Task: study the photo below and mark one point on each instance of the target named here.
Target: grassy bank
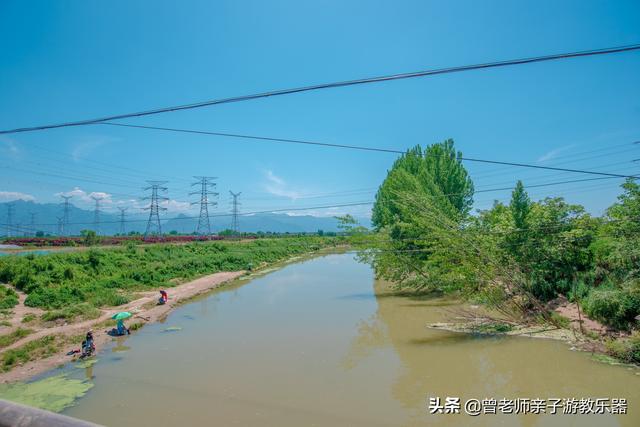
(75, 283)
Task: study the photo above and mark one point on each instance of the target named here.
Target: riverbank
(144, 310)
(599, 346)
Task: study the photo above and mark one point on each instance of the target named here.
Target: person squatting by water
(163, 298)
(88, 346)
(119, 330)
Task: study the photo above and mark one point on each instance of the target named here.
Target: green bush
(626, 349)
(83, 311)
(613, 307)
(28, 318)
(10, 338)
(36, 349)
(8, 298)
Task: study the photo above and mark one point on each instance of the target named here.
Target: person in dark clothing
(88, 346)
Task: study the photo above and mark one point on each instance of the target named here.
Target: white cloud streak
(554, 153)
(7, 196)
(89, 144)
(278, 187)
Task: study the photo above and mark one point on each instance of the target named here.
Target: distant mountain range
(46, 215)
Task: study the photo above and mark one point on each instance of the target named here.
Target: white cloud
(129, 203)
(176, 205)
(79, 194)
(278, 187)
(8, 196)
(554, 153)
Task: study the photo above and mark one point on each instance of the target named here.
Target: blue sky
(73, 60)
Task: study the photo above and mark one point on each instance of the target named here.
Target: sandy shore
(143, 309)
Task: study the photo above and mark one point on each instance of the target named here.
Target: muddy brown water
(321, 343)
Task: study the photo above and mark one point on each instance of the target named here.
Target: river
(322, 343)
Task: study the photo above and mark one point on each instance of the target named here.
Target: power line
(363, 148)
(184, 217)
(425, 73)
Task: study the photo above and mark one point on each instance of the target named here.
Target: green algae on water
(53, 394)
(83, 364)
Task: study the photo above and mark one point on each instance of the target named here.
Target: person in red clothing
(163, 297)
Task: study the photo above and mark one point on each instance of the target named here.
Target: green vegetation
(515, 256)
(13, 336)
(89, 237)
(53, 393)
(33, 350)
(626, 349)
(493, 328)
(73, 284)
(28, 318)
(82, 311)
(8, 297)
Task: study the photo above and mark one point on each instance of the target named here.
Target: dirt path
(137, 307)
(570, 310)
(19, 312)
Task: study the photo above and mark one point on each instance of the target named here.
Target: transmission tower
(33, 223)
(96, 214)
(153, 225)
(122, 221)
(9, 218)
(60, 225)
(205, 182)
(234, 211)
(65, 216)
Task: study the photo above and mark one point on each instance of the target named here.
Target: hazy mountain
(81, 219)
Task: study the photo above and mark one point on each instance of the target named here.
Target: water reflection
(441, 363)
(119, 346)
(313, 344)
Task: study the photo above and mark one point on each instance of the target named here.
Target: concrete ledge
(17, 415)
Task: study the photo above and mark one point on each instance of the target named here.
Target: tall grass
(109, 277)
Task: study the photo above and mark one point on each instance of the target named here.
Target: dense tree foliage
(518, 255)
(436, 173)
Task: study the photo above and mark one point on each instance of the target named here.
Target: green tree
(520, 206)
(624, 215)
(420, 206)
(90, 237)
(436, 174)
(519, 209)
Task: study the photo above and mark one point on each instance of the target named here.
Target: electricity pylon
(96, 214)
(122, 221)
(9, 218)
(65, 216)
(33, 223)
(60, 227)
(154, 208)
(204, 226)
(234, 211)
